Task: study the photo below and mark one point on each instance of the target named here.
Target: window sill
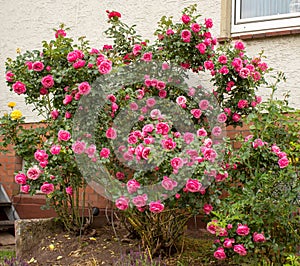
(259, 35)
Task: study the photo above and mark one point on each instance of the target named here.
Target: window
(263, 15)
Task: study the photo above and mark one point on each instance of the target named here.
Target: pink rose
(207, 208)
(196, 113)
(237, 63)
(19, 87)
(105, 67)
(236, 117)
(186, 35)
(67, 99)
(111, 133)
(275, 149)
(239, 45)
(25, 189)
(209, 65)
(212, 227)
(147, 57)
(33, 173)
(201, 48)
(209, 154)
(201, 132)
(69, 190)
(84, 88)
(112, 98)
(176, 163)
(244, 73)
(161, 85)
(168, 144)
(120, 175)
(132, 186)
(243, 230)
(169, 32)
(259, 237)
(220, 254)
(47, 188)
(54, 114)
(193, 185)
(222, 59)
(240, 249)
(145, 153)
(20, 178)
(181, 100)
(9, 76)
(257, 143)
(216, 131)
(38, 66)
(55, 149)
(224, 70)
(195, 27)
(162, 128)
(68, 115)
(150, 102)
(78, 147)
(208, 23)
(136, 49)
(140, 200)
(90, 151)
(122, 203)
(155, 114)
(222, 232)
(188, 137)
(168, 183)
(72, 56)
(79, 64)
(283, 162)
(222, 117)
(104, 153)
(64, 135)
(228, 242)
(40, 155)
(185, 19)
(47, 81)
(203, 104)
(156, 206)
(43, 91)
(60, 32)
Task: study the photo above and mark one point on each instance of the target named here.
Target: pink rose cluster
(227, 238)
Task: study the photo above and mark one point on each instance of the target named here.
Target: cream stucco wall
(25, 23)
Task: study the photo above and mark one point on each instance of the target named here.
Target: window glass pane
(261, 8)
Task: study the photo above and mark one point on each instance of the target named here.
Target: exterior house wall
(25, 23)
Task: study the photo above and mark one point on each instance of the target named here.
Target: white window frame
(264, 23)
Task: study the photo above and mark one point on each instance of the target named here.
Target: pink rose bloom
(140, 200)
(227, 111)
(243, 230)
(136, 49)
(222, 59)
(69, 190)
(55, 149)
(263, 66)
(186, 35)
(120, 175)
(216, 131)
(54, 114)
(228, 242)
(209, 154)
(168, 183)
(132, 139)
(9, 76)
(185, 19)
(220, 177)
(203, 104)
(224, 70)
(180, 100)
(207, 143)
(90, 151)
(40, 155)
(68, 115)
(155, 114)
(29, 65)
(161, 85)
(244, 73)
(162, 128)
(169, 32)
(147, 57)
(145, 153)
(257, 143)
(236, 117)
(222, 117)
(168, 144)
(259, 237)
(150, 102)
(237, 63)
(156, 206)
(283, 162)
(188, 137)
(212, 227)
(68, 99)
(256, 76)
(240, 249)
(72, 56)
(196, 113)
(275, 149)
(20, 178)
(229, 226)
(193, 185)
(64, 135)
(33, 173)
(281, 154)
(111, 133)
(133, 106)
(149, 140)
(201, 48)
(112, 98)
(38, 66)
(122, 203)
(132, 186)
(84, 88)
(47, 81)
(242, 104)
(60, 32)
(239, 45)
(192, 91)
(195, 27)
(79, 64)
(19, 87)
(148, 128)
(104, 153)
(105, 67)
(207, 208)
(47, 188)
(208, 23)
(220, 254)
(25, 189)
(162, 94)
(222, 232)
(201, 132)
(43, 91)
(176, 163)
(209, 65)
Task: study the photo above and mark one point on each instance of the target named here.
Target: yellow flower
(18, 50)
(11, 104)
(16, 114)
